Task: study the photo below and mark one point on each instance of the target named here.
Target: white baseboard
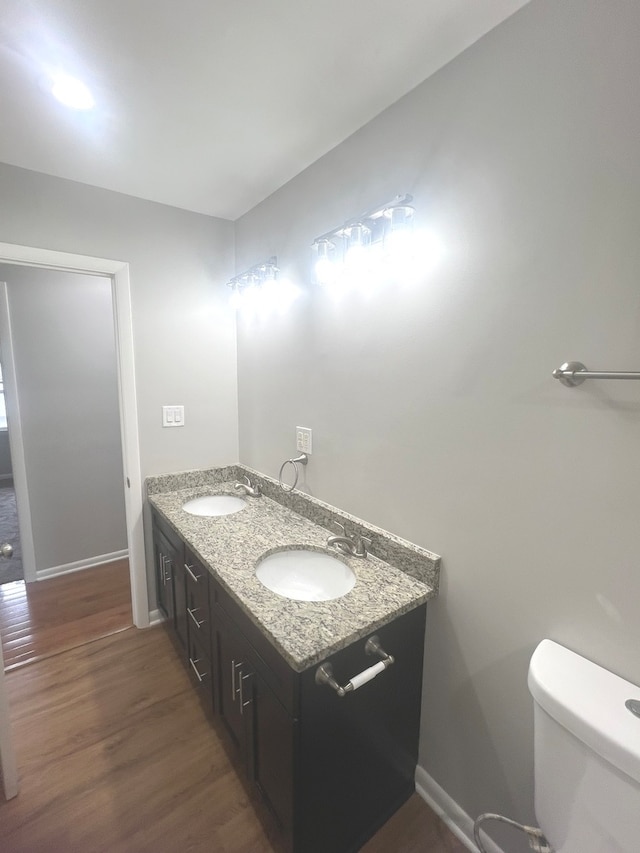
(450, 812)
(155, 618)
(80, 565)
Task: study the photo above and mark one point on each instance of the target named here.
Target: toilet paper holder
(324, 673)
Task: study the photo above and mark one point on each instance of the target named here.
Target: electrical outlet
(304, 441)
(172, 416)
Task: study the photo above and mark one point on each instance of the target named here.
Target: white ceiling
(211, 105)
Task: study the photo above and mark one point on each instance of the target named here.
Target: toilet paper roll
(367, 674)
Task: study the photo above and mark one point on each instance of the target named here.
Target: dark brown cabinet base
(331, 770)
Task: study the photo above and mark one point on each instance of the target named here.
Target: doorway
(10, 550)
(118, 271)
(61, 351)
(62, 399)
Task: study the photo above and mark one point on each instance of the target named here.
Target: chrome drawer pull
(234, 690)
(167, 576)
(324, 673)
(195, 618)
(244, 704)
(191, 572)
(195, 669)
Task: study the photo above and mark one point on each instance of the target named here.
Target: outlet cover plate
(304, 440)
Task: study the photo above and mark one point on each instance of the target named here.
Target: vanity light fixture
(359, 252)
(261, 289)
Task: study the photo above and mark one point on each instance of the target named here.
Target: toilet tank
(587, 754)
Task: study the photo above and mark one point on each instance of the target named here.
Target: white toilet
(587, 754)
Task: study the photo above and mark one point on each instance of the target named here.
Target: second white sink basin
(306, 575)
(214, 505)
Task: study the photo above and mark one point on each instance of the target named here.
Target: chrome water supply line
(537, 841)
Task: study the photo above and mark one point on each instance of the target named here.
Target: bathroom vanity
(331, 768)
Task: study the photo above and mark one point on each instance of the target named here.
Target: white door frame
(18, 465)
(118, 272)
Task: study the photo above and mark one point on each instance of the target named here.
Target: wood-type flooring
(53, 615)
(116, 755)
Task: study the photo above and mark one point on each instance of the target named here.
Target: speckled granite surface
(305, 633)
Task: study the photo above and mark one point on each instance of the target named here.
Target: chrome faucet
(247, 488)
(351, 545)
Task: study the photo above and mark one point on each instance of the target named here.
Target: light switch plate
(304, 441)
(172, 416)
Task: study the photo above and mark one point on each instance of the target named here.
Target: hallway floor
(11, 567)
(116, 755)
(50, 616)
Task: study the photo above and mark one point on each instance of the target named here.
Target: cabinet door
(234, 676)
(164, 574)
(170, 584)
(272, 737)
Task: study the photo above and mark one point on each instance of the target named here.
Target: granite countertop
(304, 632)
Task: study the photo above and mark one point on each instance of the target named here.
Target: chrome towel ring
(302, 460)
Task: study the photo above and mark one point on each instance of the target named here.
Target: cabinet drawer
(197, 598)
(198, 615)
(197, 579)
(267, 660)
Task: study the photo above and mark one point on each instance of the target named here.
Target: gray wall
(433, 409)
(183, 329)
(65, 361)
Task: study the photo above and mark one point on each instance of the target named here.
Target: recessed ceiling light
(72, 93)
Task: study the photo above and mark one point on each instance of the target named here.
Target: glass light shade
(400, 217)
(356, 260)
(324, 264)
(358, 236)
(269, 273)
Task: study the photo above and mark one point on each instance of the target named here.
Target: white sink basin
(214, 505)
(305, 575)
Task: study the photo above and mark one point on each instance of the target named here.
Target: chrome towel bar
(573, 373)
(324, 673)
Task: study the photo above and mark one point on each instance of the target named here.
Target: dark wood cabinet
(260, 726)
(273, 736)
(330, 769)
(164, 565)
(168, 551)
(363, 747)
(233, 683)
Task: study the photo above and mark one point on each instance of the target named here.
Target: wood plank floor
(116, 755)
(50, 616)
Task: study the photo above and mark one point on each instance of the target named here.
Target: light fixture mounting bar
(368, 216)
(257, 270)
